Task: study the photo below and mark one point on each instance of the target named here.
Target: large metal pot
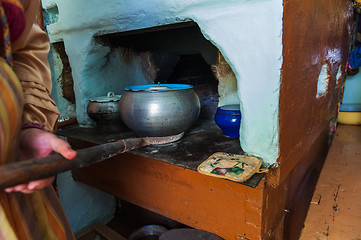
(159, 109)
(104, 110)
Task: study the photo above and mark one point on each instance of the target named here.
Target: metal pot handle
(110, 94)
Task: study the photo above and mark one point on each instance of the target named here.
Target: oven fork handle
(38, 168)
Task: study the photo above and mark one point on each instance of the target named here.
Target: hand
(36, 143)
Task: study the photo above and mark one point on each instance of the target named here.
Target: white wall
(247, 33)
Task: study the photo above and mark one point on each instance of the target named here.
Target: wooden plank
(107, 232)
(103, 230)
(215, 205)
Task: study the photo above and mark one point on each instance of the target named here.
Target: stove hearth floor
(197, 144)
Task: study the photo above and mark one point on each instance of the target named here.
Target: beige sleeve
(30, 58)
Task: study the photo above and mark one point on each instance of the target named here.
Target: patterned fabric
(6, 36)
(11, 101)
(32, 217)
(36, 216)
(13, 23)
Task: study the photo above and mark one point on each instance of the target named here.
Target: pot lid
(158, 87)
(230, 109)
(111, 97)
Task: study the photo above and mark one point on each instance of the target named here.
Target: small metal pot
(148, 232)
(105, 110)
(159, 109)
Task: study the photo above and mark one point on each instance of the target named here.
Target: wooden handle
(21, 172)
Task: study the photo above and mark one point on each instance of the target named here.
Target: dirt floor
(335, 210)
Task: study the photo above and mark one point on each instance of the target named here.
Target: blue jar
(228, 118)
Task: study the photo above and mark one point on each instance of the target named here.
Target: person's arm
(36, 143)
(30, 59)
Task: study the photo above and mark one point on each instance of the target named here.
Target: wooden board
(228, 209)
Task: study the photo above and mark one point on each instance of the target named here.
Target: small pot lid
(111, 97)
(230, 109)
(158, 87)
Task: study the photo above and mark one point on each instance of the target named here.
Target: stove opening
(176, 53)
(192, 69)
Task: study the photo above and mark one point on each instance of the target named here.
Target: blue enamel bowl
(228, 118)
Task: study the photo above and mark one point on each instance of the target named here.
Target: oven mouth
(175, 54)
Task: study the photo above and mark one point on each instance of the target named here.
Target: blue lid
(158, 87)
(229, 109)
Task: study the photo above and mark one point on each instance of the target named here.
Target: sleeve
(30, 59)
